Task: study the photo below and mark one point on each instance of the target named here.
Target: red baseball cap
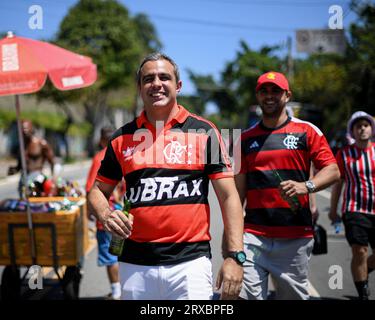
(273, 77)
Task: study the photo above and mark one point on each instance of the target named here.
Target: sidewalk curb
(11, 179)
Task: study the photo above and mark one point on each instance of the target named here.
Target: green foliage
(103, 31)
(336, 85)
(47, 120)
(235, 91)
(192, 103)
(321, 81)
(80, 129)
(6, 118)
(146, 32)
(361, 58)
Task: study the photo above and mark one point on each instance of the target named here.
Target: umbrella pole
(24, 193)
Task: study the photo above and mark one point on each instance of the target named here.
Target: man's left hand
(230, 279)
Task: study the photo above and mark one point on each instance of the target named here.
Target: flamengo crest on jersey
(174, 151)
(291, 142)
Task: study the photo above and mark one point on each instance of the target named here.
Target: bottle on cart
(294, 203)
(117, 243)
(39, 181)
(32, 189)
(60, 186)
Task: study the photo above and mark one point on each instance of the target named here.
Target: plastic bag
(320, 240)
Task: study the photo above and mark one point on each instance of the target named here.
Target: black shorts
(359, 228)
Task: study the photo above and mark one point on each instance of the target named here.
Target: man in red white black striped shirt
(277, 154)
(357, 167)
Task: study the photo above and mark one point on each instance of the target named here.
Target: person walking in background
(104, 237)
(168, 156)
(274, 180)
(357, 168)
(37, 153)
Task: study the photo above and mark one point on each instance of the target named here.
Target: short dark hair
(155, 56)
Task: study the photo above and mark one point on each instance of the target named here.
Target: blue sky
(201, 35)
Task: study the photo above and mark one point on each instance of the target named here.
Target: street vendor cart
(61, 239)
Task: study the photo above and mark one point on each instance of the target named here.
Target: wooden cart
(61, 239)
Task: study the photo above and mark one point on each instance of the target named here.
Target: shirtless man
(37, 152)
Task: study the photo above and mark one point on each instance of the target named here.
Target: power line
(221, 24)
(274, 3)
(347, 11)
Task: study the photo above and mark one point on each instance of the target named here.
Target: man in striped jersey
(167, 156)
(274, 180)
(357, 167)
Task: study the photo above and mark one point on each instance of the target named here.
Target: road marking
(11, 179)
(337, 241)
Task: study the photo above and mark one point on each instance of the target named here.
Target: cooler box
(63, 232)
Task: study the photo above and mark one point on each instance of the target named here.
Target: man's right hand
(333, 216)
(117, 223)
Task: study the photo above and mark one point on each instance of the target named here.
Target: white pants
(191, 280)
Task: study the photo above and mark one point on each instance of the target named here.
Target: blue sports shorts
(104, 257)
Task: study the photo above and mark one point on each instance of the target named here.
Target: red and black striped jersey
(167, 171)
(289, 149)
(357, 168)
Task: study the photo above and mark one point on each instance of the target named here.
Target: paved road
(94, 284)
(326, 269)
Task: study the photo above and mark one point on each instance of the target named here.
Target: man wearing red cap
(357, 168)
(277, 154)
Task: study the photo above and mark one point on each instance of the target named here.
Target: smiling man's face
(272, 99)
(158, 86)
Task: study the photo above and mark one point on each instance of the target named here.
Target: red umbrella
(24, 66)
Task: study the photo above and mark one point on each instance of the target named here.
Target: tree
(147, 33)
(235, 92)
(361, 57)
(336, 85)
(104, 31)
(320, 81)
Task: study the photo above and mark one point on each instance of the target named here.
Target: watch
(238, 256)
(310, 186)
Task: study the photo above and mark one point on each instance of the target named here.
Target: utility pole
(290, 59)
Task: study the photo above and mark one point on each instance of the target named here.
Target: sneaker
(365, 295)
(111, 297)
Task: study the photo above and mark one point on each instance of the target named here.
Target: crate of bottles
(65, 229)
